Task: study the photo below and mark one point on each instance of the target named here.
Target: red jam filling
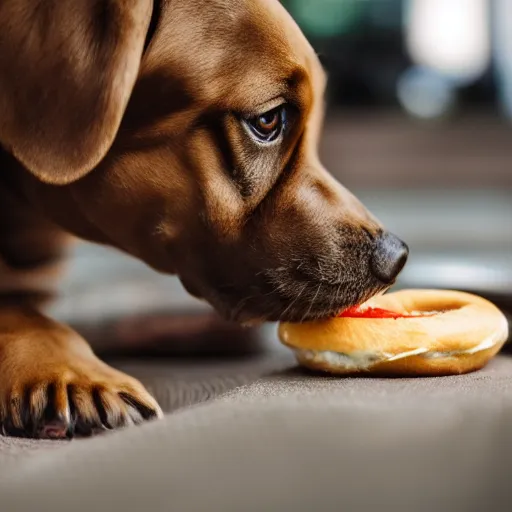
(369, 312)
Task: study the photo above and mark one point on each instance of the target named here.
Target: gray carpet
(262, 435)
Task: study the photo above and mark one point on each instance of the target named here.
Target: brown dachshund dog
(183, 132)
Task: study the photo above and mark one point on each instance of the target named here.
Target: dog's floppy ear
(67, 69)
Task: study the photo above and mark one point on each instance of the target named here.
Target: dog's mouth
(284, 295)
(326, 308)
(309, 302)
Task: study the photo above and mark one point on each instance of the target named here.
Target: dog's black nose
(389, 257)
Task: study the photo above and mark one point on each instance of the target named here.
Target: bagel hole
(430, 309)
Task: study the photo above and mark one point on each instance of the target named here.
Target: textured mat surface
(264, 436)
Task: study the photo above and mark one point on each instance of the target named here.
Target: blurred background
(418, 126)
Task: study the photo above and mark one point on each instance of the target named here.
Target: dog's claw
(88, 410)
(66, 391)
(62, 410)
(55, 430)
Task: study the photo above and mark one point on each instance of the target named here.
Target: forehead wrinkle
(287, 84)
(243, 38)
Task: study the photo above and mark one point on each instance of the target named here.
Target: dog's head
(186, 133)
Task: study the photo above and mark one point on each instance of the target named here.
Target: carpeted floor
(262, 435)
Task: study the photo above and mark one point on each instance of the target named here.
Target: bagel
(409, 332)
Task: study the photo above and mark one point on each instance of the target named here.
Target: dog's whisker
(312, 302)
(340, 273)
(239, 307)
(294, 301)
(338, 291)
(331, 302)
(273, 291)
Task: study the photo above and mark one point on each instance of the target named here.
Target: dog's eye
(268, 127)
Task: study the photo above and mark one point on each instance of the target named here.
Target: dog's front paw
(53, 386)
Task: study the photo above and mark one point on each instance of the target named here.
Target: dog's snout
(389, 257)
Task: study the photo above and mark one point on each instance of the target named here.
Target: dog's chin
(257, 311)
(320, 311)
(236, 306)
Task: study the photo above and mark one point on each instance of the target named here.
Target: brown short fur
(121, 123)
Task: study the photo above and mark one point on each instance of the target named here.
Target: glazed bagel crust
(462, 335)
